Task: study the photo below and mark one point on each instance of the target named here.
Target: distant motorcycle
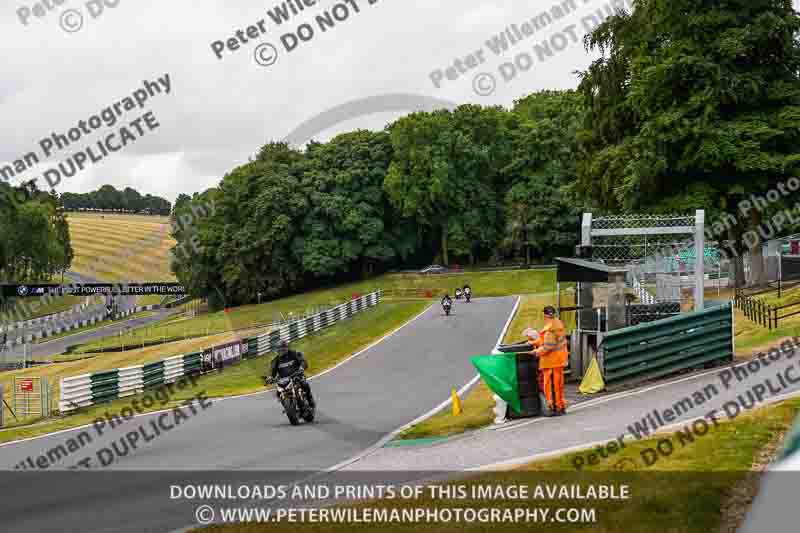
(447, 305)
(467, 293)
(458, 294)
(293, 398)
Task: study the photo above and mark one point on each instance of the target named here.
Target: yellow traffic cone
(593, 379)
(456, 403)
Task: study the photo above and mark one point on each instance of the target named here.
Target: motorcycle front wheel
(291, 411)
(308, 416)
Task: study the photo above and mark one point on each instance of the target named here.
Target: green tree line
(34, 234)
(462, 186)
(108, 197)
(688, 105)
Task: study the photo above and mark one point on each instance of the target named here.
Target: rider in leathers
(287, 363)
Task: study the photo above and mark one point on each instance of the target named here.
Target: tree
(445, 170)
(692, 100)
(34, 236)
(542, 212)
(350, 226)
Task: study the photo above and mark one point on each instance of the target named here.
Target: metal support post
(699, 267)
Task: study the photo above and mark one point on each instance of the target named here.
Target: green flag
(499, 372)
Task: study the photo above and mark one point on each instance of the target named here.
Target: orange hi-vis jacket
(552, 345)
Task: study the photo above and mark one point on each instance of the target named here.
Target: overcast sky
(220, 112)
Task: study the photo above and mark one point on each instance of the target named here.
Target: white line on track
(381, 443)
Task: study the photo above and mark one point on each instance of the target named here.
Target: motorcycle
(467, 293)
(458, 294)
(293, 398)
(447, 306)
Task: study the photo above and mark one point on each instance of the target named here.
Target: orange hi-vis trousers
(553, 387)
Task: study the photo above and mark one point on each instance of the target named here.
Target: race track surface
(360, 402)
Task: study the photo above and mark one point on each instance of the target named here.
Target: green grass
(684, 492)
(184, 326)
(323, 350)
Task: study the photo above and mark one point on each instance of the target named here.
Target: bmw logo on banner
(22, 290)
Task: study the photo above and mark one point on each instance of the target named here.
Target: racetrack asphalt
(359, 403)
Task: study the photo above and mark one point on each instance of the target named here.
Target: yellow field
(121, 247)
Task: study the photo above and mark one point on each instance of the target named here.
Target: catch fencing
(663, 347)
(101, 387)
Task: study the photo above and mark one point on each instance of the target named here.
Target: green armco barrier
(792, 445)
(663, 347)
(499, 372)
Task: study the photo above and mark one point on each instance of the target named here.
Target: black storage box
(527, 381)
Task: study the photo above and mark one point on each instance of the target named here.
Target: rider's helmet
(283, 348)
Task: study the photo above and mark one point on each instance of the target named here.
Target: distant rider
(467, 292)
(289, 362)
(447, 301)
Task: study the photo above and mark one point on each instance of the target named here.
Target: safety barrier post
(2, 406)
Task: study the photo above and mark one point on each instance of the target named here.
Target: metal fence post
(2, 406)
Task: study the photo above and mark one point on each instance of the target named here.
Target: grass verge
(323, 350)
(687, 492)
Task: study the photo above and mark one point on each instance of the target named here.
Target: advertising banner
(226, 354)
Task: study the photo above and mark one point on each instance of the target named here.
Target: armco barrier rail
(666, 346)
(306, 326)
(100, 387)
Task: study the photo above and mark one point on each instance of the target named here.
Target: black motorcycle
(447, 305)
(467, 293)
(458, 294)
(292, 397)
